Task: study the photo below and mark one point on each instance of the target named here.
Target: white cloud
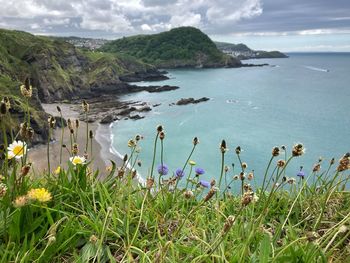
(187, 19)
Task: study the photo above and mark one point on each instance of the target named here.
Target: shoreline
(101, 142)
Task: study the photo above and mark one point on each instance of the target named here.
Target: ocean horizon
(302, 98)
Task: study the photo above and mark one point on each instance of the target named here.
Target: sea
(301, 99)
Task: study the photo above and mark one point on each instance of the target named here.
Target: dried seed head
(23, 130)
(316, 168)
(291, 180)
(159, 128)
(121, 173)
(161, 135)
(250, 176)
(3, 108)
(58, 109)
(223, 147)
(210, 194)
(125, 158)
(149, 182)
(77, 123)
(20, 201)
(3, 189)
(242, 176)
(244, 166)
(298, 150)
(26, 89)
(226, 168)
(137, 137)
(139, 163)
(212, 182)
(25, 169)
(236, 177)
(344, 163)
(247, 198)
(72, 131)
(69, 124)
(238, 149)
(228, 224)
(133, 174)
(30, 133)
(75, 149)
(7, 102)
(275, 151)
(91, 134)
(195, 141)
(85, 106)
(332, 161)
(93, 239)
(281, 163)
(283, 147)
(188, 194)
(52, 122)
(131, 143)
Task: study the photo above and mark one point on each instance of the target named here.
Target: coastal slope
(179, 47)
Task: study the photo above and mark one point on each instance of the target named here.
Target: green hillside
(179, 47)
(57, 71)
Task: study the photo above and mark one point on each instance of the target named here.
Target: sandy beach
(101, 142)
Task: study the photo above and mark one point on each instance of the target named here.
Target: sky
(285, 25)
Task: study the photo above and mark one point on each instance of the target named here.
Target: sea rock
(185, 101)
(144, 109)
(107, 119)
(136, 117)
(127, 111)
(156, 105)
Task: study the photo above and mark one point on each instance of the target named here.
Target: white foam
(317, 69)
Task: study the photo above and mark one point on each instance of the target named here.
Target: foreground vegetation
(74, 214)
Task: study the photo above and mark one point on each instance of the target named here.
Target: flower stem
(154, 154)
(62, 135)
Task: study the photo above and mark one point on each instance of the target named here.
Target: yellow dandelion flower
(16, 149)
(77, 160)
(58, 170)
(39, 194)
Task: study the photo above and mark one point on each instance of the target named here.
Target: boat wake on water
(317, 69)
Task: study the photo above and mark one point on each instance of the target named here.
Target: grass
(76, 215)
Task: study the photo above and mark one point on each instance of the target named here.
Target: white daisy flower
(77, 160)
(16, 149)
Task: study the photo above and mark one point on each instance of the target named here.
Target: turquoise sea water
(304, 98)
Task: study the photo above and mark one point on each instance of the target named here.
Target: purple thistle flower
(163, 169)
(179, 173)
(203, 183)
(199, 171)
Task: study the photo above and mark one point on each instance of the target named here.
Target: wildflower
(85, 106)
(275, 151)
(58, 170)
(195, 141)
(242, 176)
(238, 150)
(298, 150)
(203, 183)
(212, 182)
(179, 173)
(223, 147)
(199, 171)
(52, 122)
(25, 169)
(247, 198)
(281, 163)
(131, 143)
(93, 239)
(244, 165)
(20, 201)
(344, 163)
(26, 89)
(3, 189)
(316, 168)
(75, 149)
(163, 169)
(188, 194)
(291, 180)
(192, 163)
(229, 223)
(210, 194)
(77, 160)
(159, 128)
(39, 194)
(301, 173)
(149, 182)
(162, 135)
(250, 176)
(16, 149)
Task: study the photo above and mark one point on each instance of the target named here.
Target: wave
(231, 101)
(317, 69)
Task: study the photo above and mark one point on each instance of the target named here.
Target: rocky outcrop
(185, 101)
